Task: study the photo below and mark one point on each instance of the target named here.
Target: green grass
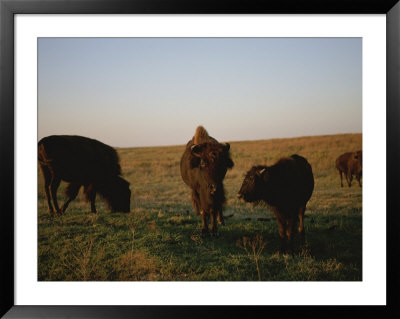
(160, 239)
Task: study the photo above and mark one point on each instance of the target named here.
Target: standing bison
(350, 164)
(286, 187)
(82, 161)
(203, 167)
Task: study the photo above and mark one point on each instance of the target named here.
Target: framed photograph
(158, 99)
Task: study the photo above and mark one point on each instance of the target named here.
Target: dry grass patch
(137, 266)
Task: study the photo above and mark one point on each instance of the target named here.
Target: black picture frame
(8, 8)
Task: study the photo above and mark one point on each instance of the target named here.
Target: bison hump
(201, 136)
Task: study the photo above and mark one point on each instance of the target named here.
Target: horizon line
(239, 141)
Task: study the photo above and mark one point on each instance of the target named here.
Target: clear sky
(155, 91)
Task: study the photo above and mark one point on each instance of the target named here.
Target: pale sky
(130, 92)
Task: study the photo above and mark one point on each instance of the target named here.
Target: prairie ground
(159, 240)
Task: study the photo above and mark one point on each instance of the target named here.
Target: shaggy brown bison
(286, 187)
(81, 161)
(203, 167)
(350, 164)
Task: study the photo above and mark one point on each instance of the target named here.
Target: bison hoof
(204, 233)
(214, 234)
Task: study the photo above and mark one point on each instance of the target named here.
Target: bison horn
(227, 146)
(261, 171)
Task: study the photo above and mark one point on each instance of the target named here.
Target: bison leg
(341, 178)
(214, 216)
(282, 231)
(290, 231)
(55, 182)
(301, 224)
(204, 223)
(196, 201)
(220, 218)
(359, 180)
(47, 182)
(71, 191)
(349, 178)
(90, 193)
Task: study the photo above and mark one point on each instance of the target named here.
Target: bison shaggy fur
(350, 164)
(286, 187)
(203, 166)
(81, 161)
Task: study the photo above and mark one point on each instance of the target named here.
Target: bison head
(355, 163)
(358, 156)
(117, 194)
(254, 184)
(212, 161)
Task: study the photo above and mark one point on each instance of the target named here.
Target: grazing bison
(82, 161)
(350, 164)
(286, 187)
(203, 167)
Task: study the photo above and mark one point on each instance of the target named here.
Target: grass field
(160, 239)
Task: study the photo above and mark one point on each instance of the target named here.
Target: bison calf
(350, 164)
(286, 187)
(81, 161)
(203, 166)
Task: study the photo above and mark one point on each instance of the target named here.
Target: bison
(286, 187)
(81, 161)
(203, 166)
(350, 164)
